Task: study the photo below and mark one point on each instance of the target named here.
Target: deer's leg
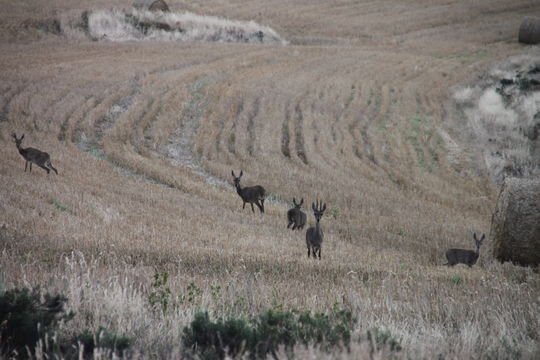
(262, 205)
(43, 167)
(25, 165)
(319, 253)
(261, 208)
(52, 167)
(252, 209)
(244, 206)
(308, 252)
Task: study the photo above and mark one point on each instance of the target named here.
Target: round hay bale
(529, 31)
(159, 5)
(515, 225)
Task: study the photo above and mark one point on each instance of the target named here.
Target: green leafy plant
(160, 296)
(192, 295)
(193, 291)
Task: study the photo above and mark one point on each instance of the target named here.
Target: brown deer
(252, 194)
(314, 235)
(296, 217)
(31, 155)
(462, 256)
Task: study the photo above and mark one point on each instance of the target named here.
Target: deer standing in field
(462, 256)
(314, 235)
(31, 155)
(296, 217)
(250, 194)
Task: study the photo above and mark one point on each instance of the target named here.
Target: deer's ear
(301, 202)
(324, 207)
(474, 236)
(22, 137)
(241, 173)
(294, 201)
(232, 172)
(483, 237)
(313, 206)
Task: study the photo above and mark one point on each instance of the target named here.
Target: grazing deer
(461, 256)
(314, 235)
(296, 217)
(31, 155)
(253, 194)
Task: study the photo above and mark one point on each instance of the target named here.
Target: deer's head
(18, 142)
(299, 205)
(236, 179)
(318, 209)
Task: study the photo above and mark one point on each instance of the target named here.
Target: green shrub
(213, 340)
(102, 339)
(265, 334)
(27, 316)
(379, 339)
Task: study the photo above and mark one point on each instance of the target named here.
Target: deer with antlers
(314, 235)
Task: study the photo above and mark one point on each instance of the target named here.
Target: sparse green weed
(60, 206)
(456, 279)
(160, 296)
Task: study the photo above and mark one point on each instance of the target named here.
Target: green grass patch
(456, 279)
(60, 206)
(419, 136)
(464, 55)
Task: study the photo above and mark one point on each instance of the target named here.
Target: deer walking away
(296, 217)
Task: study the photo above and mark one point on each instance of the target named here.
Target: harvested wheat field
(355, 103)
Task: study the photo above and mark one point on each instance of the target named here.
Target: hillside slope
(350, 109)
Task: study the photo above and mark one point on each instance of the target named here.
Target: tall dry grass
(145, 134)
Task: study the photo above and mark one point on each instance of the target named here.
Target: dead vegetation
(352, 112)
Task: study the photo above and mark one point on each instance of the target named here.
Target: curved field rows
(352, 111)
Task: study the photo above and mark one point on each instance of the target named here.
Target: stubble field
(352, 108)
